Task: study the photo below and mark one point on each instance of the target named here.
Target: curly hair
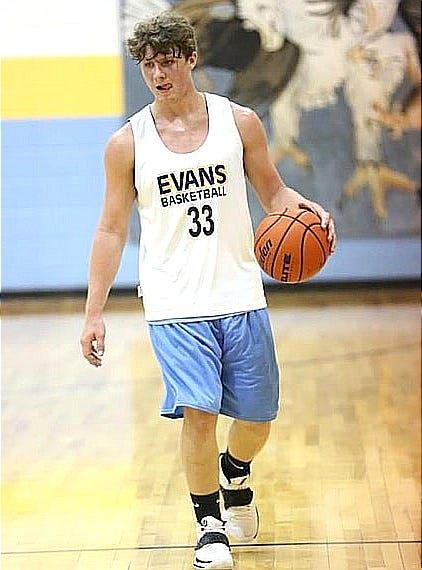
(166, 33)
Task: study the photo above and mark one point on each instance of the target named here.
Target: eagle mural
(289, 57)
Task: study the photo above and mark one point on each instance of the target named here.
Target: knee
(200, 422)
(259, 429)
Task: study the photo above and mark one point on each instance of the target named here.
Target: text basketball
(291, 246)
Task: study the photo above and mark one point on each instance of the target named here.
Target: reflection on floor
(91, 474)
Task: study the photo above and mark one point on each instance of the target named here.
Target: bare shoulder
(244, 116)
(248, 123)
(120, 146)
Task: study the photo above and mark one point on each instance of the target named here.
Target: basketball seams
(271, 215)
(302, 255)
(302, 245)
(301, 223)
(285, 214)
(302, 250)
(316, 236)
(280, 243)
(308, 228)
(258, 238)
(297, 219)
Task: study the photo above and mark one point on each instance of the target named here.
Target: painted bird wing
(131, 11)
(227, 39)
(266, 76)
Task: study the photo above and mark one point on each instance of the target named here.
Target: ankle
(206, 506)
(233, 467)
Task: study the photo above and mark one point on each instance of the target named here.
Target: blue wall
(52, 180)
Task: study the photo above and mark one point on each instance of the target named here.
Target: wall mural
(337, 85)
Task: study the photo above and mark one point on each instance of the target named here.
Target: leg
(246, 439)
(250, 351)
(200, 460)
(199, 451)
(189, 355)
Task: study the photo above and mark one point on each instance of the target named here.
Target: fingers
(100, 345)
(332, 237)
(93, 348)
(327, 222)
(96, 354)
(325, 218)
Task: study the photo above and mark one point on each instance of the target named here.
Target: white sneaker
(212, 550)
(242, 522)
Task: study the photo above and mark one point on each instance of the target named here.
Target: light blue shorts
(221, 366)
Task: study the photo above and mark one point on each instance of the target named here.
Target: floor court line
(232, 545)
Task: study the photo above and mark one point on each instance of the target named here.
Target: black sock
(233, 467)
(206, 505)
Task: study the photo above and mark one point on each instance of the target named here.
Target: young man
(184, 159)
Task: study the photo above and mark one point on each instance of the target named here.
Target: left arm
(272, 192)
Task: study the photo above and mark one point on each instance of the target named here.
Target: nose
(158, 72)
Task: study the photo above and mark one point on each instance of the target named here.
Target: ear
(193, 59)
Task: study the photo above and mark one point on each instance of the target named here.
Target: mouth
(165, 87)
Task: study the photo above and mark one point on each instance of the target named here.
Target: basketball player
(184, 159)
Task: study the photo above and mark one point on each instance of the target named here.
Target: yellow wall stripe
(50, 87)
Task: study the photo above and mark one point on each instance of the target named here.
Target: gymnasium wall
(61, 99)
(63, 93)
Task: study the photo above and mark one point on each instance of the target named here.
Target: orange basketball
(291, 245)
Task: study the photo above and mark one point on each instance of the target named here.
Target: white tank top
(196, 254)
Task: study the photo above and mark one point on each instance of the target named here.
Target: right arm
(109, 240)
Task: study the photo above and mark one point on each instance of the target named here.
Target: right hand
(93, 340)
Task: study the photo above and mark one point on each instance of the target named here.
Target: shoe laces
(211, 524)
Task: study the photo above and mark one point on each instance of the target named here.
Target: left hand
(327, 222)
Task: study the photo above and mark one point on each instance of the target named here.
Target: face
(167, 76)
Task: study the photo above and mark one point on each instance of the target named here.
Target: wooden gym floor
(91, 477)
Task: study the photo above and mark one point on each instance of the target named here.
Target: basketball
(291, 246)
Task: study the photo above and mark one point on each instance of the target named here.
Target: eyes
(164, 63)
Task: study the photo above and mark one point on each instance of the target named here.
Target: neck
(180, 106)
